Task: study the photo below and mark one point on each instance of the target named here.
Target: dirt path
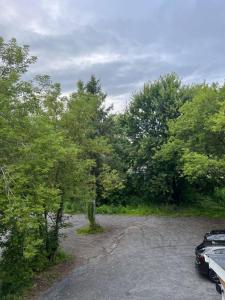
(136, 258)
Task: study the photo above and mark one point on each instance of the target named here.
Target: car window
(216, 237)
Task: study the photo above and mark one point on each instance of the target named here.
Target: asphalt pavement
(136, 258)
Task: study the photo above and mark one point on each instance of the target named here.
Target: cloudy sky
(123, 42)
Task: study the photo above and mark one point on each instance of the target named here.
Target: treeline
(71, 152)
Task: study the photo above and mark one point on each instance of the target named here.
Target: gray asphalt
(136, 258)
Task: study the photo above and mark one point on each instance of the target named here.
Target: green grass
(90, 229)
(163, 210)
(62, 257)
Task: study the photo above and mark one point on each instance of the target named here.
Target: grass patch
(164, 210)
(90, 229)
(62, 257)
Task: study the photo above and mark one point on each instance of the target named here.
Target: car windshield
(216, 237)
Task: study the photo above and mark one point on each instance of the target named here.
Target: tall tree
(38, 168)
(147, 129)
(88, 124)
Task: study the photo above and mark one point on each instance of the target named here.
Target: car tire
(212, 276)
(218, 288)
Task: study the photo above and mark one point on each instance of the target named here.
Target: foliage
(87, 123)
(197, 139)
(146, 126)
(40, 168)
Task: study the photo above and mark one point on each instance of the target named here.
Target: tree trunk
(91, 213)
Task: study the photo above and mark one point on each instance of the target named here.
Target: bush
(219, 196)
(15, 270)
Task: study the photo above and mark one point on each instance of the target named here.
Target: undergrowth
(164, 210)
(46, 274)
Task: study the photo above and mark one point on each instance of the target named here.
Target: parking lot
(136, 258)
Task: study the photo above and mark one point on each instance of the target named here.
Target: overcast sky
(123, 42)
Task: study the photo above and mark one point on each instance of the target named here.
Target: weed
(90, 229)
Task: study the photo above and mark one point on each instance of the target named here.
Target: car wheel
(218, 288)
(213, 277)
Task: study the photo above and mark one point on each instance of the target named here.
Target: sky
(123, 42)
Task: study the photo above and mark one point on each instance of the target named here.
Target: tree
(88, 124)
(197, 138)
(78, 124)
(16, 103)
(39, 168)
(204, 146)
(147, 130)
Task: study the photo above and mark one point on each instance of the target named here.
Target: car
(213, 243)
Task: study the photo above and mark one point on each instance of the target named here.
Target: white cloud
(86, 61)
